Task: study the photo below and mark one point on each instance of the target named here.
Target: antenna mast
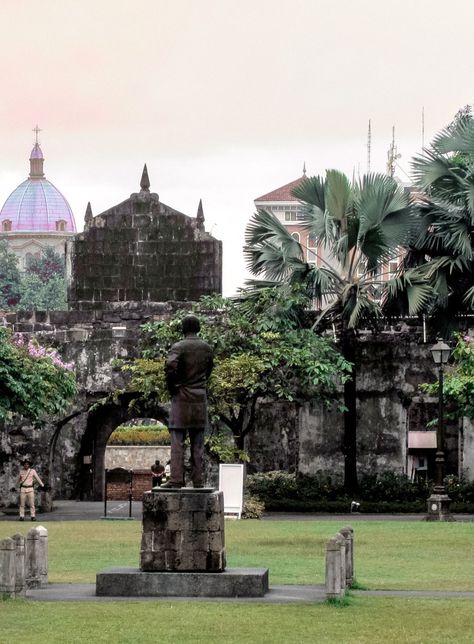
(392, 156)
(369, 146)
(423, 127)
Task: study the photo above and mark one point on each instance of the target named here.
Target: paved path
(276, 595)
(94, 510)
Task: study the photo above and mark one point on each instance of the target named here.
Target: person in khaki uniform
(26, 479)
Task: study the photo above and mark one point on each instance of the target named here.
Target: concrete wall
(133, 457)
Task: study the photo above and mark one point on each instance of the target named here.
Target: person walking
(188, 368)
(26, 479)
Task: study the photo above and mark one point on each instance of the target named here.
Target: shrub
(378, 493)
(253, 507)
(140, 435)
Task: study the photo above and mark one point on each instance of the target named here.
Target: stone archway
(101, 422)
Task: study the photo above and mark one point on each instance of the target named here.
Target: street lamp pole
(439, 501)
(439, 487)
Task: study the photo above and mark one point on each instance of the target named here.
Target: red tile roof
(283, 193)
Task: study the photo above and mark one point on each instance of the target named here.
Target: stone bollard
(33, 559)
(43, 555)
(342, 544)
(334, 586)
(348, 534)
(7, 567)
(20, 581)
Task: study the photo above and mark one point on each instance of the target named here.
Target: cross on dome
(36, 130)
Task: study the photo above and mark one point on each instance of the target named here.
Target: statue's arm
(171, 370)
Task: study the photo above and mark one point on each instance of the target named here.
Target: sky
(223, 100)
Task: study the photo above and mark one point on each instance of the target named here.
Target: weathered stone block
(183, 530)
(130, 582)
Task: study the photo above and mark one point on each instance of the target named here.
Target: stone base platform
(132, 582)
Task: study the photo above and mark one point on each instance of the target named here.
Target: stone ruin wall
(308, 438)
(295, 438)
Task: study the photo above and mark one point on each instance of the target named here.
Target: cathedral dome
(36, 205)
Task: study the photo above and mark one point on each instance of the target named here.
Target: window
(296, 236)
(6, 225)
(61, 225)
(392, 269)
(312, 248)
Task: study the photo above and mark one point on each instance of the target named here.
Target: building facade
(36, 215)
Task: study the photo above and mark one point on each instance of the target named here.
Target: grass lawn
(388, 555)
(365, 620)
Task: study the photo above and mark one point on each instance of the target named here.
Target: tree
(256, 356)
(360, 226)
(50, 264)
(441, 253)
(34, 380)
(39, 295)
(43, 285)
(9, 277)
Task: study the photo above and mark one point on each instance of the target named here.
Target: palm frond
(311, 191)
(469, 298)
(338, 194)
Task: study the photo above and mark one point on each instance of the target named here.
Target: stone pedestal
(182, 552)
(234, 582)
(183, 531)
(438, 508)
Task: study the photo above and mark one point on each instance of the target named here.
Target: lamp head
(440, 352)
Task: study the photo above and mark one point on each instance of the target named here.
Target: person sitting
(158, 473)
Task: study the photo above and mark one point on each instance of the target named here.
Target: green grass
(388, 555)
(364, 620)
(409, 555)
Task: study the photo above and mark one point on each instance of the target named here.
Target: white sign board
(231, 482)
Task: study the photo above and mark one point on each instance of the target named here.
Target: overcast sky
(223, 99)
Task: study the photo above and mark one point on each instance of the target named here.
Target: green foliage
(39, 295)
(253, 507)
(50, 264)
(219, 445)
(258, 353)
(342, 602)
(140, 435)
(382, 493)
(440, 255)
(34, 381)
(41, 287)
(458, 382)
(9, 277)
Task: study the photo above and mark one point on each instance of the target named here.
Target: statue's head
(190, 324)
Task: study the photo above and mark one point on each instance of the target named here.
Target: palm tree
(360, 227)
(442, 252)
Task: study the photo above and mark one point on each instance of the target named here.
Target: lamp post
(438, 502)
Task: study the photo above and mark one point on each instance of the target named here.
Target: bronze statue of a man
(188, 367)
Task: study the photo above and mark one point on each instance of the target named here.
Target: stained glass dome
(36, 205)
